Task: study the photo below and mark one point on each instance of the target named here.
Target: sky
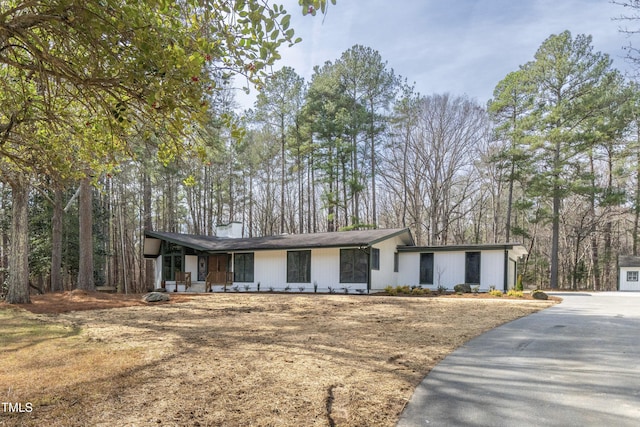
(463, 47)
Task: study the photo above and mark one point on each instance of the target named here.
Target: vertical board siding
(491, 270)
(449, 269)
(385, 276)
(191, 266)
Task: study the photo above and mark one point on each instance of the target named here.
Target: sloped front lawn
(233, 359)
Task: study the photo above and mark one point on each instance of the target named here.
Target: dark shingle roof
(285, 241)
(628, 261)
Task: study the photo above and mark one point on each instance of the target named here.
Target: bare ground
(243, 359)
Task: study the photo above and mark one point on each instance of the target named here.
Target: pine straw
(259, 359)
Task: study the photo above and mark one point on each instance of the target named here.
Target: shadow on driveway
(574, 364)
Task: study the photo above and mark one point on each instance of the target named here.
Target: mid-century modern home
(362, 261)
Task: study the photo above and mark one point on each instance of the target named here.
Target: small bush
(463, 288)
(495, 293)
(515, 293)
(417, 291)
(442, 289)
(391, 290)
(404, 289)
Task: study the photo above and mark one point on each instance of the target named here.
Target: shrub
(404, 289)
(495, 293)
(475, 289)
(463, 288)
(519, 286)
(442, 289)
(390, 290)
(515, 293)
(417, 291)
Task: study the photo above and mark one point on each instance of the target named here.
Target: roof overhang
(516, 249)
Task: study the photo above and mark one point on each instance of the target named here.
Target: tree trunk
(85, 212)
(555, 220)
(56, 241)
(18, 292)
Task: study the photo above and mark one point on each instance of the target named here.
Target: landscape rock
(155, 297)
(539, 295)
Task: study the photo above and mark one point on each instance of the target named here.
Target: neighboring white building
(628, 273)
(360, 261)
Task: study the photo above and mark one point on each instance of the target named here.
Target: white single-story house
(628, 273)
(361, 261)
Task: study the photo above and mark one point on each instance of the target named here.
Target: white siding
(408, 268)
(158, 272)
(491, 270)
(449, 269)
(626, 285)
(191, 266)
(270, 269)
(385, 276)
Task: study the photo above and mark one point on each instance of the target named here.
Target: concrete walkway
(575, 364)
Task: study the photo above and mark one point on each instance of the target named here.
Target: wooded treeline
(553, 162)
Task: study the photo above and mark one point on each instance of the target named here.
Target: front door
(218, 265)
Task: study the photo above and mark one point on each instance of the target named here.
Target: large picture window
(426, 269)
(354, 266)
(472, 270)
(243, 267)
(299, 267)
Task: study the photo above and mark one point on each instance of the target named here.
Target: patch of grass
(55, 368)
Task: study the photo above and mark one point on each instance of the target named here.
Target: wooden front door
(218, 266)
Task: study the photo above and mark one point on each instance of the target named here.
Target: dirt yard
(234, 359)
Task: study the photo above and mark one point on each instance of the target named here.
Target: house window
(426, 269)
(396, 262)
(472, 268)
(375, 259)
(299, 267)
(171, 261)
(243, 266)
(632, 276)
(354, 266)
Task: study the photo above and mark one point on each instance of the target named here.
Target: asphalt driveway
(574, 364)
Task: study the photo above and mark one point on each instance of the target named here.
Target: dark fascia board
(410, 241)
(470, 247)
(199, 243)
(213, 245)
